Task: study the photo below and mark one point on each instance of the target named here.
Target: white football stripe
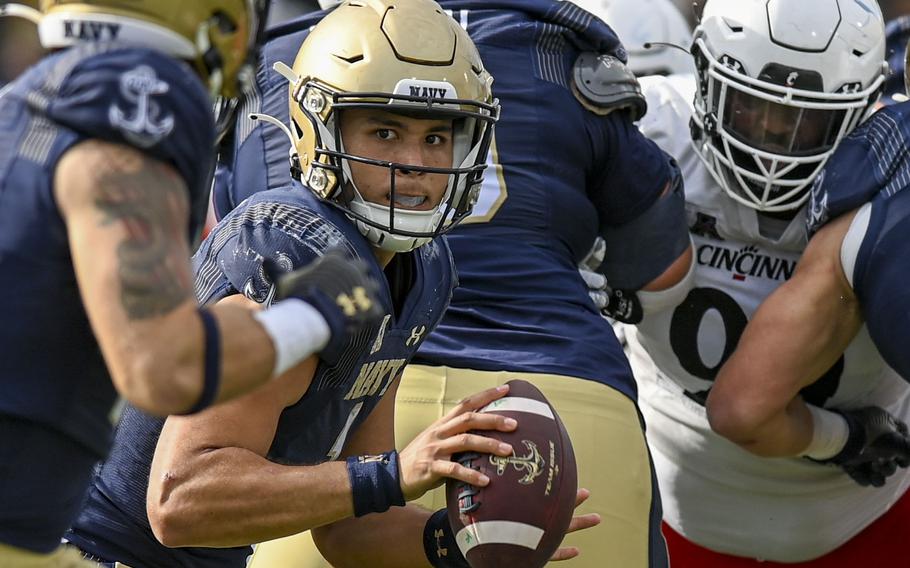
(518, 404)
(498, 532)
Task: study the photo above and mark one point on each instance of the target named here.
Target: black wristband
(212, 376)
(375, 483)
(439, 542)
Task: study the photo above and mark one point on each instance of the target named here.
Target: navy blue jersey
(293, 228)
(872, 167)
(52, 373)
(871, 162)
(556, 179)
(897, 33)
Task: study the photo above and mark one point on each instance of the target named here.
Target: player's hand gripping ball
(521, 516)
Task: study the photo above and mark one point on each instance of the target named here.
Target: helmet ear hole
(225, 24)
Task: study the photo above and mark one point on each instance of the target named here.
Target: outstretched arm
(220, 452)
(127, 217)
(202, 459)
(797, 334)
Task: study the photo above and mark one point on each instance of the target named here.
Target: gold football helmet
(401, 56)
(219, 37)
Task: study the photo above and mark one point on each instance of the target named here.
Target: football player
(566, 164)
(105, 156)
(779, 86)
(847, 280)
(391, 121)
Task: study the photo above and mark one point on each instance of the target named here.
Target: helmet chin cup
(411, 228)
(389, 242)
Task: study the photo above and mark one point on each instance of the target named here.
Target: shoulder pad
(603, 83)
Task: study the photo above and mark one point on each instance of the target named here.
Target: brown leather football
(520, 518)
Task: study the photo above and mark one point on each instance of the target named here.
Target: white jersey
(715, 493)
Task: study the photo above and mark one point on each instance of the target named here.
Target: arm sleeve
(874, 159)
(879, 278)
(643, 225)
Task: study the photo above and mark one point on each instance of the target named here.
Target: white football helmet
(654, 23)
(780, 83)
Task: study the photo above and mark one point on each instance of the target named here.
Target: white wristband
(829, 434)
(297, 330)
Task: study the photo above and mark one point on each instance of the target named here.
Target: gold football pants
(610, 452)
(63, 557)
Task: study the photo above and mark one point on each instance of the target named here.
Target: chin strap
(21, 11)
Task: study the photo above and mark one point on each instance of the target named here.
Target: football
(521, 516)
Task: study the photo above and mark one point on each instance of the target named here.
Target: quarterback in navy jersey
(294, 227)
(389, 151)
(566, 164)
(106, 152)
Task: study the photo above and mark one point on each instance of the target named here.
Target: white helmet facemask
(768, 115)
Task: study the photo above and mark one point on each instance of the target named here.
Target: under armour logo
(791, 78)
(441, 551)
(354, 302)
(731, 63)
(146, 127)
(416, 335)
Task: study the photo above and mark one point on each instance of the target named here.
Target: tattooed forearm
(150, 203)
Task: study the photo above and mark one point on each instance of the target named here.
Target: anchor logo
(145, 128)
(532, 463)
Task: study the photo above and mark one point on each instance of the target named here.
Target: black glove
(340, 288)
(877, 445)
